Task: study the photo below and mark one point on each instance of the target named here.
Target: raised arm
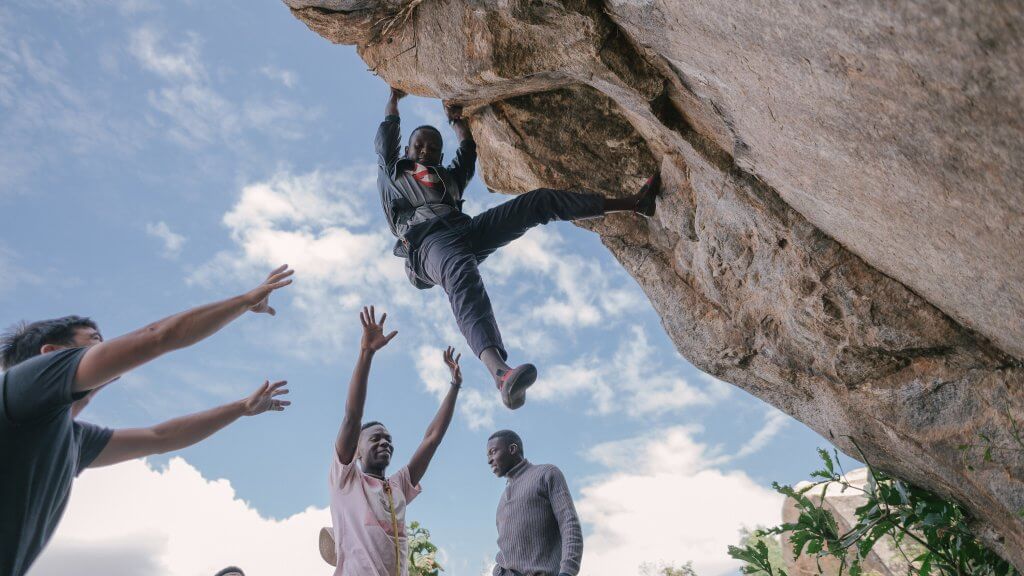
(389, 133)
(178, 433)
(436, 431)
(373, 340)
(568, 523)
(464, 165)
(108, 360)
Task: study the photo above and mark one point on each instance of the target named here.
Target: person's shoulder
(547, 469)
(39, 363)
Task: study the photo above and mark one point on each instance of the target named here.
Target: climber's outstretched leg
(502, 224)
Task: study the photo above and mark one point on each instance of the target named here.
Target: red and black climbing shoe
(649, 192)
(513, 384)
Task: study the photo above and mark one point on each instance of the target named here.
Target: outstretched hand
(373, 332)
(452, 361)
(259, 297)
(264, 398)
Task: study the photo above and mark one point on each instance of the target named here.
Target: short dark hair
(371, 423)
(429, 128)
(23, 341)
(509, 437)
(229, 570)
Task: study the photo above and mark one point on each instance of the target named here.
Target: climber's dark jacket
(400, 199)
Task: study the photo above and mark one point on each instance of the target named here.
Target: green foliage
(930, 532)
(662, 569)
(422, 552)
(769, 552)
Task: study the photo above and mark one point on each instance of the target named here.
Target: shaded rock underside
(842, 227)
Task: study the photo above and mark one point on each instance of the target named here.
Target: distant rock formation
(843, 229)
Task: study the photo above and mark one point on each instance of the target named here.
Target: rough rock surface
(884, 560)
(843, 222)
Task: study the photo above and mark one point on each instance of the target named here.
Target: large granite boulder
(842, 232)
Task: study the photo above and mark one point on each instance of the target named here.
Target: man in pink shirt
(367, 507)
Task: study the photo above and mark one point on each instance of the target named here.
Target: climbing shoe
(649, 192)
(513, 384)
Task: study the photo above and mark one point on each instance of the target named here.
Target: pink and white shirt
(364, 537)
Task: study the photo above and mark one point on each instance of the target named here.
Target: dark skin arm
(108, 360)
(373, 340)
(439, 426)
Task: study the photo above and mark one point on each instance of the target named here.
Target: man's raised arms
(178, 433)
(373, 340)
(436, 431)
(108, 360)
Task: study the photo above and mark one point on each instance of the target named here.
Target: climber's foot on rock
(649, 192)
(513, 383)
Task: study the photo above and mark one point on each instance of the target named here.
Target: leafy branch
(893, 510)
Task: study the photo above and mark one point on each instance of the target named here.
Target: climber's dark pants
(449, 256)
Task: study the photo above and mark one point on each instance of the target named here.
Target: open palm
(265, 398)
(373, 331)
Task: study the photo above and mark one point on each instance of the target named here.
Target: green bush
(931, 532)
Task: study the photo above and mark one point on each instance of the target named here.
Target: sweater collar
(518, 469)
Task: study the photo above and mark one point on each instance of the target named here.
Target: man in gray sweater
(538, 529)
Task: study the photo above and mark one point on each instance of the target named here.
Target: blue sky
(156, 156)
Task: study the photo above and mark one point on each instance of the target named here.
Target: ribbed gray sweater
(538, 530)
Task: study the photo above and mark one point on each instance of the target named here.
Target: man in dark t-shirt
(52, 365)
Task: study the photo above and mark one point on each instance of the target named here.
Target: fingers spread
(390, 336)
(383, 318)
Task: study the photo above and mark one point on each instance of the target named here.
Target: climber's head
(504, 451)
(425, 146)
(375, 448)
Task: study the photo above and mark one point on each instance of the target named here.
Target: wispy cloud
(634, 380)
(201, 115)
(46, 115)
(286, 77)
(172, 241)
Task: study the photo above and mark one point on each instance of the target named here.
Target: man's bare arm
(373, 340)
(439, 426)
(185, 431)
(108, 360)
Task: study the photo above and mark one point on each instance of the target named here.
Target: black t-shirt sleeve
(41, 385)
(92, 439)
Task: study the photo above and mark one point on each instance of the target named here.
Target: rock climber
(422, 200)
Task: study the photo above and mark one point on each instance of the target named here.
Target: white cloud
(430, 114)
(775, 421)
(475, 406)
(185, 63)
(173, 241)
(316, 223)
(41, 106)
(634, 379)
(286, 77)
(663, 501)
(586, 293)
(201, 114)
(134, 519)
